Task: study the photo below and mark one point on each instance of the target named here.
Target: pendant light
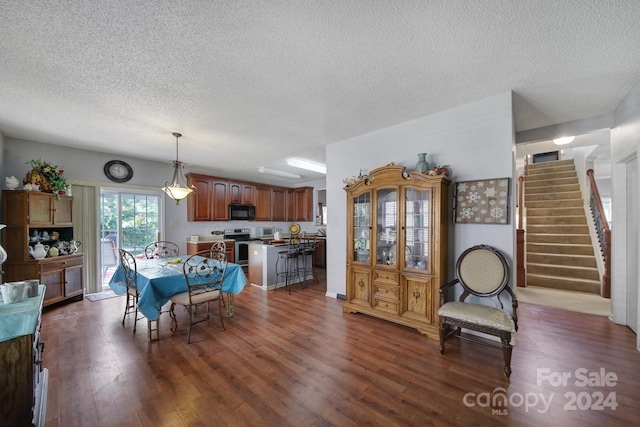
(175, 190)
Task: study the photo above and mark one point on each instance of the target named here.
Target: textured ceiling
(249, 83)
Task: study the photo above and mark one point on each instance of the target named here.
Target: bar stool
(306, 251)
(287, 265)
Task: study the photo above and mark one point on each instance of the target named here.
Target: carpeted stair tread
(547, 281)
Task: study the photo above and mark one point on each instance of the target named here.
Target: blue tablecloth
(158, 281)
(21, 317)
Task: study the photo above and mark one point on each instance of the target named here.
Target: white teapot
(38, 251)
(74, 246)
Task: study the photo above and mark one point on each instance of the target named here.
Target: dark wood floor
(298, 360)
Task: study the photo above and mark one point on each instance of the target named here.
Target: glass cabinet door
(387, 226)
(417, 220)
(361, 227)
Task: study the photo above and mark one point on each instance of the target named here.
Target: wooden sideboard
(23, 383)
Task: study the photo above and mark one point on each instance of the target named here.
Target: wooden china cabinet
(397, 246)
(29, 212)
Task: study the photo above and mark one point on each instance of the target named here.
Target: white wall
(625, 140)
(476, 140)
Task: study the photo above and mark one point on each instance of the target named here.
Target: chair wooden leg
(443, 333)
(506, 350)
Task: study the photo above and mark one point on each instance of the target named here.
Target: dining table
(160, 278)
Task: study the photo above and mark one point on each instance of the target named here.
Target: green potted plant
(49, 177)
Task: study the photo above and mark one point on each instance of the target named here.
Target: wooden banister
(604, 233)
(521, 271)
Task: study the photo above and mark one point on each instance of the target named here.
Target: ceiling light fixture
(175, 190)
(564, 140)
(307, 164)
(277, 172)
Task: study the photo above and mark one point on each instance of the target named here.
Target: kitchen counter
(262, 265)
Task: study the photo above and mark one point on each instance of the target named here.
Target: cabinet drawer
(385, 277)
(386, 306)
(59, 263)
(386, 292)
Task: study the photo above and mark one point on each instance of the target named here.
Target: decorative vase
(422, 165)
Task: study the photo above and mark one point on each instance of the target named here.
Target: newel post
(521, 271)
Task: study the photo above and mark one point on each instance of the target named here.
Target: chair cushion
(183, 297)
(479, 315)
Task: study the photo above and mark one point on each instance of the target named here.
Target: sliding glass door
(129, 220)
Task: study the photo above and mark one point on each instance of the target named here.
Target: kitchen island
(262, 265)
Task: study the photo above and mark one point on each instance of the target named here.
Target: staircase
(559, 251)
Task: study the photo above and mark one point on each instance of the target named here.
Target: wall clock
(118, 171)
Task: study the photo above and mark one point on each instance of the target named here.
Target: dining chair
(130, 271)
(129, 268)
(161, 249)
(203, 273)
(219, 246)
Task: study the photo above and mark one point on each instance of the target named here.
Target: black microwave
(242, 212)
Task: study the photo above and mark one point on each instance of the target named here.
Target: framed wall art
(485, 201)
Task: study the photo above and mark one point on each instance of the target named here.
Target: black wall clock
(118, 171)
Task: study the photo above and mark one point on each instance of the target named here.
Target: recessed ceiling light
(564, 140)
(277, 172)
(307, 164)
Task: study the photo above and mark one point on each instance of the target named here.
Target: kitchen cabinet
(213, 195)
(195, 247)
(320, 253)
(302, 204)
(209, 203)
(263, 203)
(397, 246)
(241, 193)
(279, 205)
(24, 381)
(29, 213)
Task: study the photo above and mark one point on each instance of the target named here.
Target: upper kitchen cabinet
(263, 202)
(280, 203)
(241, 193)
(209, 203)
(302, 204)
(213, 195)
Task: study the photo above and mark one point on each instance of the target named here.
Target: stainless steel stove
(241, 236)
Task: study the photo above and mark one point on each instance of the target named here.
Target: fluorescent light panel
(564, 140)
(277, 172)
(307, 164)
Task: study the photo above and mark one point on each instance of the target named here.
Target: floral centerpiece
(49, 177)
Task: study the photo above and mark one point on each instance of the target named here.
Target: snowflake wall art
(482, 202)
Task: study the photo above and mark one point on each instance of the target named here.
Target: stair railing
(603, 231)
(521, 272)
